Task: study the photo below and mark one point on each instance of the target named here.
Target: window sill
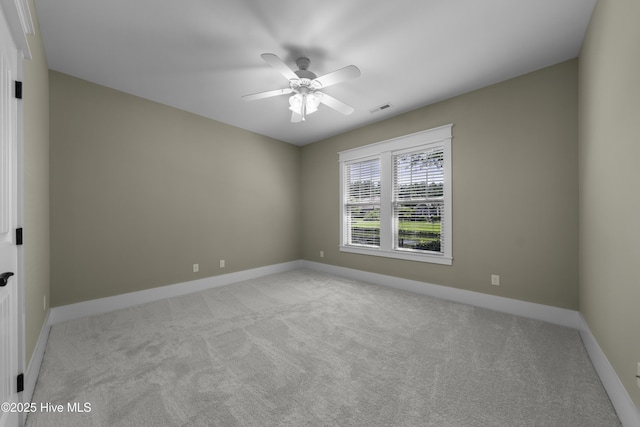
(431, 258)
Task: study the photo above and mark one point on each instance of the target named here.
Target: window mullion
(386, 206)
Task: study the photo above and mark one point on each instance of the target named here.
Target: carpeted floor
(307, 349)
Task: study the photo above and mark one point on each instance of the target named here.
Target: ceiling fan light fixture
(310, 101)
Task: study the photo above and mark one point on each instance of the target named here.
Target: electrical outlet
(196, 268)
(638, 375)
(44, 302)
(221, 263)
(321, 254)
(495, 280)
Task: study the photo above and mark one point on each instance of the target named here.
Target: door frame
(18, 16)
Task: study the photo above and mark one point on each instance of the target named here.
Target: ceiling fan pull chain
(303, 108)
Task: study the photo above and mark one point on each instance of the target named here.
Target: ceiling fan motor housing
(305, 74)
(303, 69)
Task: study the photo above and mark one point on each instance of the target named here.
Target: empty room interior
(327, 213)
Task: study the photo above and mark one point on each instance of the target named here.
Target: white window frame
(385, 150)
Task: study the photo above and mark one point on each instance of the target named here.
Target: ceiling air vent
(380, 107)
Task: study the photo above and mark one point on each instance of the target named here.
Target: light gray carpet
(306, 349)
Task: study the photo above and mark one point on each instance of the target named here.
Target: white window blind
(418, 200)
(362, 203)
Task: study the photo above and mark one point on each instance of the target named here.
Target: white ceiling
(203, 55)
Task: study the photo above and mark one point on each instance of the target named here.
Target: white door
(9, 350)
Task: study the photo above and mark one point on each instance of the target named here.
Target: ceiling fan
(306, 87)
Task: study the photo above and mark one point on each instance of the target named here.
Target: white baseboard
(104, 305)
(33, 368)
(627, 411)
(556, 315)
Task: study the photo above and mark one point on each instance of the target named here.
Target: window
(396, 197)
(362, 202)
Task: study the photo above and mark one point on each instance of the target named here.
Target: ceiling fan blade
(295, 117)
(277, 63)
(343, 74)
(339, 106)
(267, 94)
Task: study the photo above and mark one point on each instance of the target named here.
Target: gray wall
(515, 187)
(36, 189)
(117, 161)
(140, 192)
(609, 184)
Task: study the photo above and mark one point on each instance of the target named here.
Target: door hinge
(18, 89)
(20, 383)
(19, 236)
